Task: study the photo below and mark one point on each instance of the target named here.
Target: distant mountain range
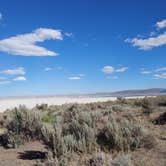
(143, 92)
(125, 93)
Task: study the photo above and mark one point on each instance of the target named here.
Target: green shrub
(48, 118)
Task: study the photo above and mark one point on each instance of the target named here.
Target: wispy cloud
(1, 16)
(153, 33)
(25, 44)
(16, 71)
(161, 24)
(162, 75)
(4, 82)
(68, 34)
(75, 78)
(120, 70)
(82, 75)
(20, 78)
(161, 69)
(146, 72)
(112, 77)
(47, 69)
(110, 69)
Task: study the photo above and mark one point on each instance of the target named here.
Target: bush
(98, 159)
(147, 105)
(121, 100)
(74, 132)
(161, 120)
(123, 160)
(120, 108)
(29, 125)
(48, 118)
(120, 135)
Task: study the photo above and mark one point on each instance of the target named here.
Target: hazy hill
(143, 92)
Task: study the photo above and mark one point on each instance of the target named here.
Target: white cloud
(153, 41)
(123, 69)
(161, 69)
(20, 78)
(16, 71)
(146, 72)
(162, 75)
(25, 44)
(47, 69)
(149, 43)
(75, 78)
(161, 24)
(111, 69)
(108, 69)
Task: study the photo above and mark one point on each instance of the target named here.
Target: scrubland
(125, 132)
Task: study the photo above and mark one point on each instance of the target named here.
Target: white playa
(30, 102)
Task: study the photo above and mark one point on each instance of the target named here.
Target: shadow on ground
(31, 155)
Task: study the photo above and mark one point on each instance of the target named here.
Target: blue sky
(61, 47)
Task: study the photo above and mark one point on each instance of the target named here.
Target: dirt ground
(154, 151)
(25, 155)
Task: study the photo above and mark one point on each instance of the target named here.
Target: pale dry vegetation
(105, 133)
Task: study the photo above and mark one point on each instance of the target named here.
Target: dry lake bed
(30, 102)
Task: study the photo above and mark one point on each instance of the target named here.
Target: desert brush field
(124, 132)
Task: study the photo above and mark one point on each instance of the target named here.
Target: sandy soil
(30, 102)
